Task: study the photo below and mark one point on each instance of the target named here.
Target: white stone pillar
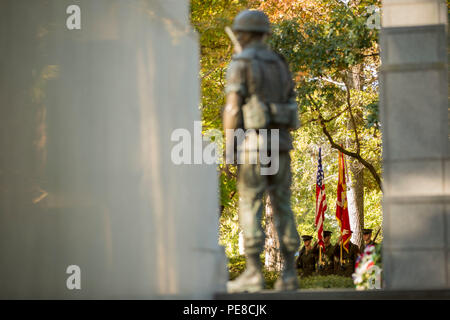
(86, 176)
(414, 115)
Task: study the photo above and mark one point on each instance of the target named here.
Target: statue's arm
(231, 114)
(236, 90)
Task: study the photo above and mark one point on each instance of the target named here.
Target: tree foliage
(324, 42)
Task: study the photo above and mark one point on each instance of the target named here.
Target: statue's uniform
(257, 69)
(261, 100)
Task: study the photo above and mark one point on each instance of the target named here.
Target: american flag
(321, 201)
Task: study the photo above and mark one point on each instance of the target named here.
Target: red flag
(321, 201)
(341, 204)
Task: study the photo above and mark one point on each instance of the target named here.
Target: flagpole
(320, 255)
(342, 240)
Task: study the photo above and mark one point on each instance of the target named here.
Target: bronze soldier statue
(345, 266)
(326, 266)
(306, 261)
(260, 95)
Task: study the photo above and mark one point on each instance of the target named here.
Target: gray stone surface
(415, 178)
(403, 13)
(447, 223)
(413, 269)
(333, 294)
(448, 268)
(402, 48)
(417, 226)
(414, 116)
(417, 97)
(447, 176)
(86, 176)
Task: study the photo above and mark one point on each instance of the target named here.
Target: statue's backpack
(270, 103)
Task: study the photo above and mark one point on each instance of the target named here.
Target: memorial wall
(414, 116)
(91, 205)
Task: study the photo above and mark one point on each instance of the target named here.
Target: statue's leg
(251, 186)
(280, 194)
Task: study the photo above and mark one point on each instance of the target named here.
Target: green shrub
(326, 282)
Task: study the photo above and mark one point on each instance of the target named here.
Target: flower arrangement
(368, 269)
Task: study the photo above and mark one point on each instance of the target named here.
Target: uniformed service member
(326, 266)
(346, 267)
(260, 95)
(307, 259)
(367, 239)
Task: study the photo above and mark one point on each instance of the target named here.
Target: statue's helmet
(252, 20)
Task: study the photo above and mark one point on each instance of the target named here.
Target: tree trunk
(356, 169)
(273, 260)
(356, 200)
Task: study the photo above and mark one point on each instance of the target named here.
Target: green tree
(333, 55)
(209, 18)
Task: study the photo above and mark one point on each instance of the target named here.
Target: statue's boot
(251, 280)
(288, 280)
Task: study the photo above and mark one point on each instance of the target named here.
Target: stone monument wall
(86, 177)
(414, 115)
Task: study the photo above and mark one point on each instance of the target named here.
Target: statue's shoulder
(267, 54)
(246, 54)
(259, 53)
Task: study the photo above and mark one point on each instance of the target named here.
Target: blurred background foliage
(324, 42)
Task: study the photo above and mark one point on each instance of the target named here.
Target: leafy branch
(336, 146)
